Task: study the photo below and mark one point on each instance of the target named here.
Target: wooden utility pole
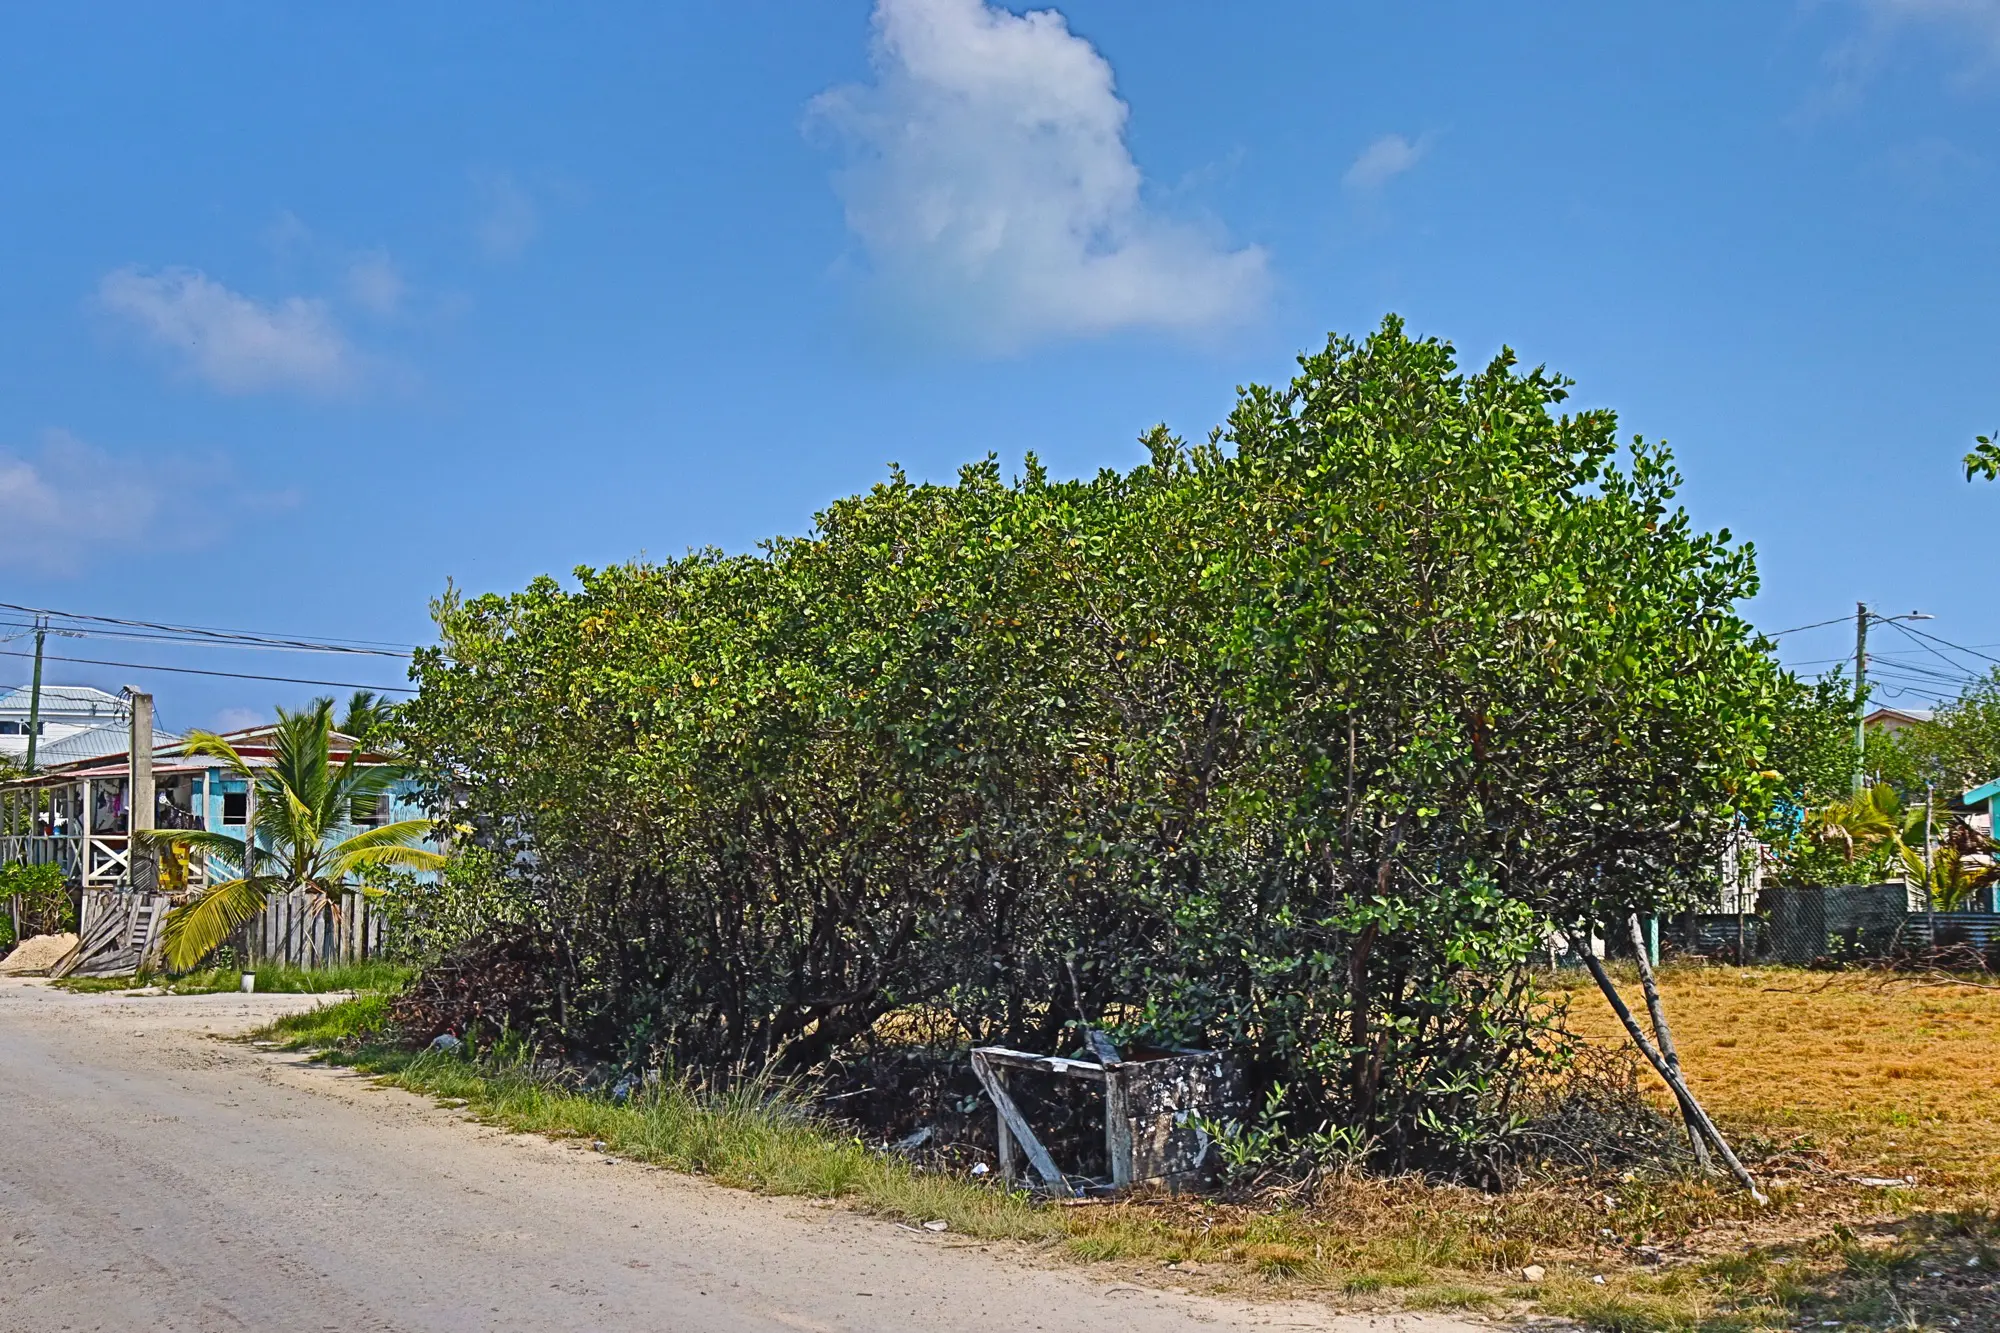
(35, 693)
(1860, 696)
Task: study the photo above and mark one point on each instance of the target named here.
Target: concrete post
(144, 869)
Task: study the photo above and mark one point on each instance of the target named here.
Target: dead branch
(1689, 1106)
(1665, 1037)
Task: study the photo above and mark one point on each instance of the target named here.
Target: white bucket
(249, 982)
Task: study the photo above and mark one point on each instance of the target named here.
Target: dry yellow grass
(1890, 1075)
(1820, 1078)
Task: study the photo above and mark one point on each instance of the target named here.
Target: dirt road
(154, 1177)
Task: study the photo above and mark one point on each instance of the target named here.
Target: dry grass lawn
(1890, 1075)
(1830, 1084)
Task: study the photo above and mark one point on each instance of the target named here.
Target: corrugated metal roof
(95, 743)
(67, 699)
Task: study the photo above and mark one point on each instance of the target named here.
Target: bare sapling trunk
(1664, 1035)
(1690, 1108)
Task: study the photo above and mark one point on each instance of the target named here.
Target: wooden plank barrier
(289, 930)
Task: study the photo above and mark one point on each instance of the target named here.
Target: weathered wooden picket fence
(289, 930)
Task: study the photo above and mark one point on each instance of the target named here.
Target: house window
(368, 811)
(235, 805)
(11, 729)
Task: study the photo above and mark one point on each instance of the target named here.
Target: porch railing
(91, 861)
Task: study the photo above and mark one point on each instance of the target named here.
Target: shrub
(1292, 742)
(46, 908)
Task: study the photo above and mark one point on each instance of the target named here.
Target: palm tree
(303, 836)
(1870, 819)
(1953, 878)
(368, 719)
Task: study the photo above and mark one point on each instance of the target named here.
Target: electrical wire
(1956, 647)
(1917, 639)
(206, 634)
(147, 636)
(232, 675)
(1817, 624)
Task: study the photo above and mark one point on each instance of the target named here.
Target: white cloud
(992, 187)
(1970, 29)
(70, 504)
(238, 719)
(236, 344)
(375, 283)
(508, 217)
(1382, 161)
(1977, 18)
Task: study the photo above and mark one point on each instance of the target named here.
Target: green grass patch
(329, 1026)
(96, 985)
(750, 1134)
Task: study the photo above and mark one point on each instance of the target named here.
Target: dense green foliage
(45, 903)
(1812, 753)
(1292, 741)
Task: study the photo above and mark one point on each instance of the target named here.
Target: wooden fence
(289, 930)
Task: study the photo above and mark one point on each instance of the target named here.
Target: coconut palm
(1954, 877)
(1872, 818)
(304, 835)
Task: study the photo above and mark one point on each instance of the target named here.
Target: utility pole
(141, 869)
(35, 692)
(1860, 696)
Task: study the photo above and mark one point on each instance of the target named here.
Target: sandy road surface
(154, 1178)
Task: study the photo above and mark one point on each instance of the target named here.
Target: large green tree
(1295, 740)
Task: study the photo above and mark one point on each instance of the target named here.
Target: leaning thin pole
(1665, 1036)
(1689, 1106)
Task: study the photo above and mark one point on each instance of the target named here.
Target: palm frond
(220, 846)
(402, 833)
(191, 933)
(206, 744)
(347, 863)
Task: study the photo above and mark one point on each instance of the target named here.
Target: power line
(1817, 624)
(1919, 640)
(233, 675)
(1956, 647)
(208, 634)
(246, 645)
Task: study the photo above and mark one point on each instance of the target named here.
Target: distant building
(1892, 720)
(77, 722)
(76, 813)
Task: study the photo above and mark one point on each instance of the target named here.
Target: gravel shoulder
(153, 1176)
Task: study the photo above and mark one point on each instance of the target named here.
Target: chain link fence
(1842, 924)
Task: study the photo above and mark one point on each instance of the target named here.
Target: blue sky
(376, 296)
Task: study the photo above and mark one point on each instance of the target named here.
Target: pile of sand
(33, 958)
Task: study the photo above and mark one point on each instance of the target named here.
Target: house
(76, 722)
(77, 813)
(1982, 801)
(1892, 720)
